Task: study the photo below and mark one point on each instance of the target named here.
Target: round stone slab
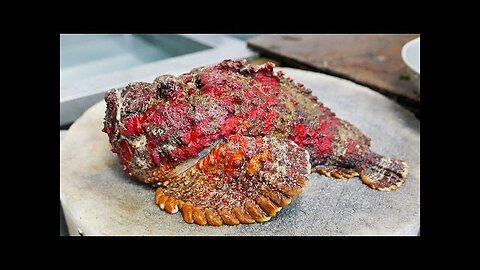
(99, 199)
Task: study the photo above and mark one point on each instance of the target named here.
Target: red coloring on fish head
(351, 147)
(132, 125)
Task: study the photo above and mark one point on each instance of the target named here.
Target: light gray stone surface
(98, 198)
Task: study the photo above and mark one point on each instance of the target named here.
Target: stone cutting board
(99, 199)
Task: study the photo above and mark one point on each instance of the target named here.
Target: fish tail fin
(383, 173)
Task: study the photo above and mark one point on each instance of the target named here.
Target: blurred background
(92, 64)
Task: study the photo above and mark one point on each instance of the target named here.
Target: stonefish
(233, 143)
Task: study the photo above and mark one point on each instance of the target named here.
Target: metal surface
(77, 96)
(85, 56)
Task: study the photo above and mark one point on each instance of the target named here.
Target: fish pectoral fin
(244, 180)
(383, 173)
(335, 171)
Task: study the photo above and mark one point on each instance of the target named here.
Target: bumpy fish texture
(163, 133)
(243, 180)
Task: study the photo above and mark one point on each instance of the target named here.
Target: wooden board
(371, 60)
(99, 199)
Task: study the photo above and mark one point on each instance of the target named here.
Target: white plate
(411, 57)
